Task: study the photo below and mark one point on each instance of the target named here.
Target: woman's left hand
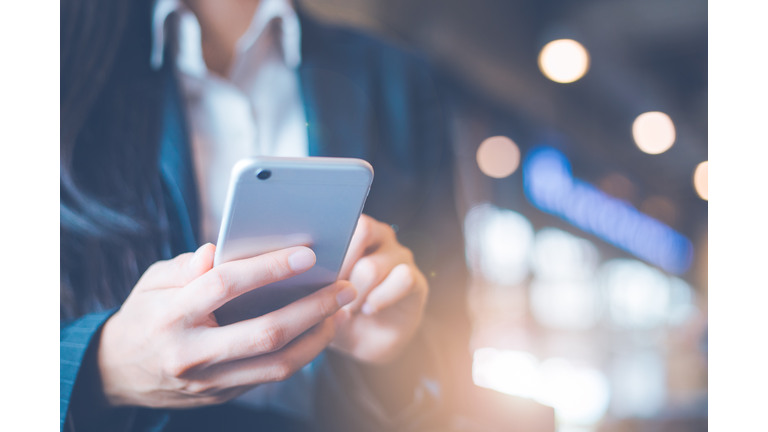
(392, 293)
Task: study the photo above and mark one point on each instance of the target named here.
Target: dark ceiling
(646, 55)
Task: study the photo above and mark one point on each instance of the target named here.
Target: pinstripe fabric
(74, 340)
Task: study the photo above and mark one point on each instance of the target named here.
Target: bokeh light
(580, 395)
(498, 243)
(654, 132)
(498, 157)
(701, 180)
(573, 305)
(638, 295)
(558, 255)
(511, 372)
(681, 302)
(564, 60)
(563, 294)
(639, 384)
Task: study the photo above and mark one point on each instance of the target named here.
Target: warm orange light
(654, 132)
(564, 60)
(498, 157)
(701, 180)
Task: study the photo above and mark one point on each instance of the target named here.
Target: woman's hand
(163, 348)
(392, 296)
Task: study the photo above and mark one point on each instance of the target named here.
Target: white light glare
(579, 395)
(639, 384)
(498, 243)
(564, 60)
(560, 256)
(654, 132)
(565, 305)
(638, 295)
(701, 180)
(681, 302)
(511, 372)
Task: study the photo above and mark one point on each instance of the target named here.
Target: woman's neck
(222, 23)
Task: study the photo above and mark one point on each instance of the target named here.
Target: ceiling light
(564, 60)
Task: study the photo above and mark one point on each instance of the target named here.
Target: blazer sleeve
(75, 337)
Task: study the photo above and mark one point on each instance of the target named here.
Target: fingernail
(346, 296)
(367, 309)
(196, 256)
(302, 259)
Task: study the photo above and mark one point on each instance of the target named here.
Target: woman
(138, 193)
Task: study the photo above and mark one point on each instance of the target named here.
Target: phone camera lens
(263, 174)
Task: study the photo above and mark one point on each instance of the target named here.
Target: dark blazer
(365, 99)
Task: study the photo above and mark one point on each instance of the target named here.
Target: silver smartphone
(275, 203)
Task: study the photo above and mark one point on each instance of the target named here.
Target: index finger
(271, 332)
(229, 280)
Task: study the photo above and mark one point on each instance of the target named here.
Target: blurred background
(580, 129)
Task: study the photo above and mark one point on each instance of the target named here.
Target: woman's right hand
(163, 348)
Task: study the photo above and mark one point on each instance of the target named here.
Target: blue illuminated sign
(550, 186)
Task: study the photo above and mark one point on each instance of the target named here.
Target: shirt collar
(190, 58)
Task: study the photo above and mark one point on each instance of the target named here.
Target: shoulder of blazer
(358, 88)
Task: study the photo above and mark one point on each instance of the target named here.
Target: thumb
(179, 271)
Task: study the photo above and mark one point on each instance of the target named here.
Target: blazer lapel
(336, 99)
(177, 171)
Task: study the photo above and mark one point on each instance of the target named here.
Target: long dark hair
(113, 222)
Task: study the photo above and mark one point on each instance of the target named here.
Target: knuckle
(328, 306)
(219, 287)
(170, 321)
(388, 230)
(200, 388)
(364, 229)
(282, 370)
(368, 267)
(270, 338)
(408, 276)
(274, 267)
(179, 261)
(176, 365)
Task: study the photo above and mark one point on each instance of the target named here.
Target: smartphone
(274, 203)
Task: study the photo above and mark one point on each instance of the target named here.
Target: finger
(369, 234)
(402, 282)
(271, 332)
(229, 280)
(276, 366)
(179, 271)
(371, 270)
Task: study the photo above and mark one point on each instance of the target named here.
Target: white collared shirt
(256, 110)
